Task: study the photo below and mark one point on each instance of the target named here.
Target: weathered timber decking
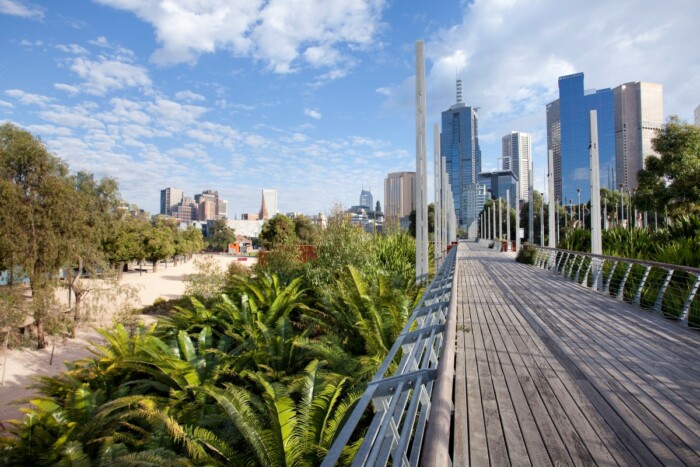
(548, 372)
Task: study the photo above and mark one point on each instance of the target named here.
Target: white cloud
(6, 104)
(22, 9)
(49, 130)
(106, 75)
(72, 49)
(313, 113)
(71, 90)
(277, 32)
(28, 98)
(189, 96)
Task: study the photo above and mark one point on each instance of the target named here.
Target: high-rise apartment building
(185, 211)
(697, 115)
(517, 154)
(399, 194)
(638, 114)
(169, 198)
(500, 184)
(268, 207)
(575, 103)
(366, 199)
(554, 144)
(459, 146)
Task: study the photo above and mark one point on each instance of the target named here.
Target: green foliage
(279, 230)
(208, 279)
(526, 255)
(159, 243)
(672, 180)
(576, 240)
(431, 221)
(220, 235)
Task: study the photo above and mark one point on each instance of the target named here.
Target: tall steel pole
(421, 169)
(508, 220)
(517, 216)
(500, 220)
(542, 223)
(495, 232)
(550, 197)
(596, 234)
(531, 208)
(437, 234)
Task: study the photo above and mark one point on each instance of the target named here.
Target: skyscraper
(459, 145)
(399, 194)
(638, 114)
(697, 115)
(554, 144)
(169, 198)
(517, 154)
(366, 199)
(268, 207)
(572, 162)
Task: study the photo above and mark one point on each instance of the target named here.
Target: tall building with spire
(459, 146)
(268, 207)
(366, 198)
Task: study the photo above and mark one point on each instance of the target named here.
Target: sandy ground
(18, 367)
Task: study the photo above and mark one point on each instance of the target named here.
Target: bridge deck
(548, 372)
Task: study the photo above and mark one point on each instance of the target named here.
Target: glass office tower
(459, 145)
(575, 103)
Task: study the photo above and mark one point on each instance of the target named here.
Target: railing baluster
(580, 266)
(596, 276)
(685, 313)
(638, 294)
(660, 297)
(624, 280)
(606, 284)
(584, 282)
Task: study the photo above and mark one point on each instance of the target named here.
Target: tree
(220, 235)
(96, 203)
(305, 230)
(37, 198)
(124, 240)
(277, 231)
(431, 220)
(159, 243)
(672, 180)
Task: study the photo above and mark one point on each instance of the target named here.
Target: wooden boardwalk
(550, 373)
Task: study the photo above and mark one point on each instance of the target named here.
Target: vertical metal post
(437, 234)
(421, 169)
(508, 220)
(606, 282)
(517, 216)
(500, 220)
(542, 223)
(596, 234)
(531, 208)
(550, 197)
(495, 232)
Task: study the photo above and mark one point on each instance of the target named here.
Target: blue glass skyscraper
(459, 145)
(572, 155)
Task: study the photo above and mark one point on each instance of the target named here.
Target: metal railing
(402, 398)
(669, 290)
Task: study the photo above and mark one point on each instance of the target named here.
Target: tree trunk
(76, 313)
(175, 261)
(155, 265)
(40, 334)
(120, 270)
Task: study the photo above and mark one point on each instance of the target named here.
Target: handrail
(647, 289)
(437, 438)
(402, 400)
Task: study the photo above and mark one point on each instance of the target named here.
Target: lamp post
(578, 191)
(622, 205)
(634, 198)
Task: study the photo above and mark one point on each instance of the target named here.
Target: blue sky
(312, 97)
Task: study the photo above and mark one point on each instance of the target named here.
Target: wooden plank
(461, 417)
(654, 435)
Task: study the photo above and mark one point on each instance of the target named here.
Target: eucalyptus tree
(37, 198)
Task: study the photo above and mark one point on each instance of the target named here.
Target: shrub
(526, 255)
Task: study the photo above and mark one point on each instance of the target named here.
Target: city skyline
(327, 102)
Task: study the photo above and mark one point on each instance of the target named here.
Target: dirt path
(20, 366)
